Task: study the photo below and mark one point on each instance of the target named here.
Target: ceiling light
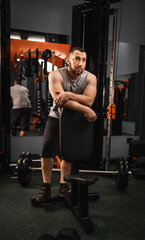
(36, 39)
(14, 36)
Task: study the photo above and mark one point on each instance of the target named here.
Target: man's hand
(90, 115)
(61, 99)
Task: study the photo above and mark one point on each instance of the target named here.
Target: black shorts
(21, 117)
(50, 147)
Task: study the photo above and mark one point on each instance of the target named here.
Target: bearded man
(74, 88)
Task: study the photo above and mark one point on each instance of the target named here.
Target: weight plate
(24, 171)
(122, 175)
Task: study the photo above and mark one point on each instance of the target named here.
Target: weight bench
(76, 145)
(137, 158)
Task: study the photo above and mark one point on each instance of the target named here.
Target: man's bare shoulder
(55, 77)
(91, 77)
(55, 74)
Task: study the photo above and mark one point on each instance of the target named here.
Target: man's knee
(45, 162)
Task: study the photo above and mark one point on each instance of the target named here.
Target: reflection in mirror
(126, 90)
(33, 67)
(125, 87)
(21, 107)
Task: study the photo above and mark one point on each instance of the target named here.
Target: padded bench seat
(82, 178)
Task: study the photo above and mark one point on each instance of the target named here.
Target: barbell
(25, 168)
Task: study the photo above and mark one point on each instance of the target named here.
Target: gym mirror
(32, 62)
(126, 87)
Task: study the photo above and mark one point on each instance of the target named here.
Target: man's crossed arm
(72, 101)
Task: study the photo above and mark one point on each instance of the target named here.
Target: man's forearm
(88, 112)
(80, 98)
(73, 105)
(63, 97)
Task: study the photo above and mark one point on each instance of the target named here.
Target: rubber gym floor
(116, 215)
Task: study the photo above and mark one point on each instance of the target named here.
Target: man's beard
(75, 72)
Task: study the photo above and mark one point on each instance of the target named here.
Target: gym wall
(119, 146)
(55, 16)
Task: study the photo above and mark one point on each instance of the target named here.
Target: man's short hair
(18, 80)
(76, 48)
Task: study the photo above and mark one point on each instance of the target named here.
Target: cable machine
(90, 31)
